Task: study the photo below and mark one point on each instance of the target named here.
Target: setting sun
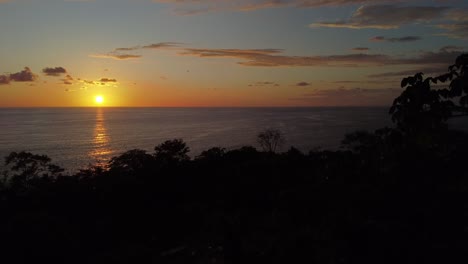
(99, 99)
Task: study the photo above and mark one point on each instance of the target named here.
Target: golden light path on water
(101, 140)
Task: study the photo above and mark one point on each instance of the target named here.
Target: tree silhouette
(27, 166)
(212, 154)
(131, 162)
(270, 139)
(172, 151)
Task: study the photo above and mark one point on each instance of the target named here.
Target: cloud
(303, 84)
(451, 48)
(4, 79)
(68, 80)
(387, 17)
(378, 38)
(103, 80)
(265, 83)
(25, 75)
(432, 63)
(116, 56)
(128, 49)
(442, 57)
(399, 39)
(455, 30)
(360, 49)
(349, 97)
(273, 58)
(54, 71)
(194, 7)
(405, 73)
(162, 45)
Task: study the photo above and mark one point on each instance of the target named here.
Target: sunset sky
(222, 52)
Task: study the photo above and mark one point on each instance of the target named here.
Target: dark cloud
(162, 45)
(265, 83)
(4, 79)
(302, 84)
(68, 80)
(25, 75)
(399, 39)
(387, 16)
(360, 49)
(405, 39)
(104, 80)
(54, 71)
(378, 38)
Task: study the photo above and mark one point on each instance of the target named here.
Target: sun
(99, 99)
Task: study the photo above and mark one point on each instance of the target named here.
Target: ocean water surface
(77, 137)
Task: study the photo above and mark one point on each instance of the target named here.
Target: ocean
(77, 137)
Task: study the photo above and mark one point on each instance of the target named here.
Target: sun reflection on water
(101, 151)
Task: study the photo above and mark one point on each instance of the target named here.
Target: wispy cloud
(387, 16)
(162, 45)
(194, 7)
(264, 83)
(396, 39)
(273, 58)
(116, 56)
(459, 27)
(349, 97)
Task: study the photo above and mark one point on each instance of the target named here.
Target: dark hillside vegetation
(396, 195)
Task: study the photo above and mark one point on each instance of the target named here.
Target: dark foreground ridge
(397, 195)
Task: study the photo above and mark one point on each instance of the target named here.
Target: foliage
(420, 108)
